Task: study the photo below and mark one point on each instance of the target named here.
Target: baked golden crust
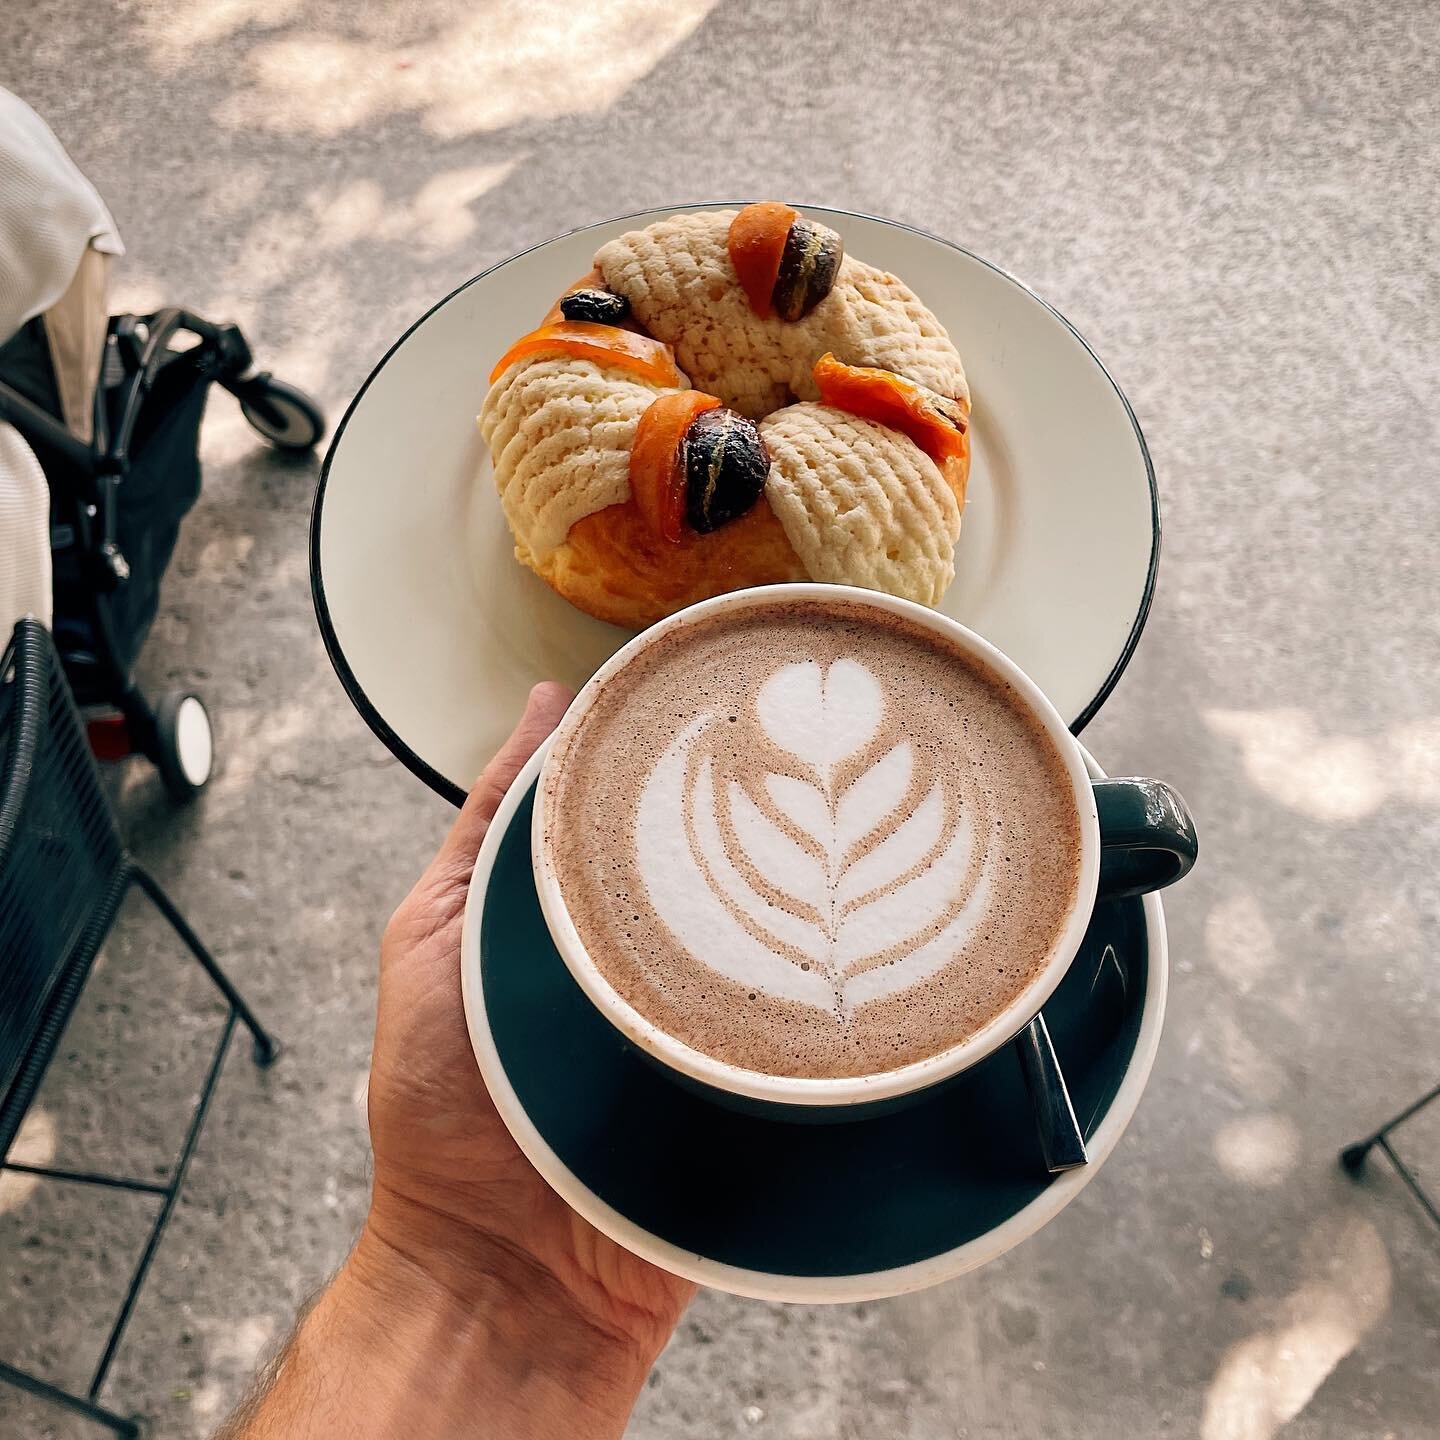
(615, 567)
(861, 503)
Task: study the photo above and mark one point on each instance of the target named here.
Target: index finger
(547, 702)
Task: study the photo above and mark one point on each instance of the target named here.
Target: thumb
(548, 701)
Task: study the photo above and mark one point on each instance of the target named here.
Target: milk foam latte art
(803, 840)
(852, 859)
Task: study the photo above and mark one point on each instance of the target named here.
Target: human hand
(454, 1198)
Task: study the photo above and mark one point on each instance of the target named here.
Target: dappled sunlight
(291, 567)
(354, 212)
(226, 436)
(1254, 1070)
(174, 28)
(269, 254)
(208, 1402)
(237, 1346)
(1258, 1150)
(253, 741)
(226, 555)
(1263, 1382)
(240, 1343)
(307, 256)
(1240, 948)
(437, 219)
(33, 1145)
(1239, 943)
(132, 291)
(237, 189)
(1332, 778)
(307, 360)
(1414, 752)
(1382, 922)
(170, 632)
(460, 67)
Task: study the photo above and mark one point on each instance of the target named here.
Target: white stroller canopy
(50, 214)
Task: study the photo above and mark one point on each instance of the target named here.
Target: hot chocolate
(813, 839)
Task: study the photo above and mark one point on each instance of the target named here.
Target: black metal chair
(1352, 1157)
(64, 872)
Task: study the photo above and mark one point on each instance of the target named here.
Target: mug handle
(1147, 837)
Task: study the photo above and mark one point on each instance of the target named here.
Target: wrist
(571, 1280)
(483, 1332)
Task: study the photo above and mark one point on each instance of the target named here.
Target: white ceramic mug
(1148, 842)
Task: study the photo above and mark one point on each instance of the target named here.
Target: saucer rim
(773, 1285)
(442, 784)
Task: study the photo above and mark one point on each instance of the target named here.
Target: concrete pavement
(1235, 205)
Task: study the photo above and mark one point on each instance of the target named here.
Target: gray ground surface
(1235, 204)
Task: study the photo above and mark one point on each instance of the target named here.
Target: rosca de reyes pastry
(727, 399)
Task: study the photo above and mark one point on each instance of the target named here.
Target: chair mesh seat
(63, 874)
(62, 864)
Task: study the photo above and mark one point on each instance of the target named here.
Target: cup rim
(812, 1091)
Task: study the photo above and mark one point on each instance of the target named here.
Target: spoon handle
(1061, 1143)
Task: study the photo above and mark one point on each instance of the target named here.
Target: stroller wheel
(186, 743)
(288, 418)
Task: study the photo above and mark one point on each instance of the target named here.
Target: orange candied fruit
(757, 245)
(604, 344)
(656, 483)
(890, 399)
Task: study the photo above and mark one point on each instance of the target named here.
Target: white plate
(437, 632)
(771, 1284)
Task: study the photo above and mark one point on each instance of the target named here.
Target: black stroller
(116, 505)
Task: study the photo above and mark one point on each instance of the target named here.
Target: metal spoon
(1061, 1143)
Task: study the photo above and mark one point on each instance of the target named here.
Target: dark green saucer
(792, 1199)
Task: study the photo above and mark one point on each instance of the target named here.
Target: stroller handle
(38, 426)
(143, 341)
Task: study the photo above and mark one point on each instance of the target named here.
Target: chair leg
(1407, 1112)
(265, 1048)
(128, 1429)
(167, 1208)
(1352, 1157)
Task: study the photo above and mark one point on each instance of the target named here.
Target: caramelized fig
(596, 305)
(725, 465)
(808, 268)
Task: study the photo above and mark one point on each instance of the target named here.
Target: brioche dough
(682, 288)
(862, 504)
(559, 432)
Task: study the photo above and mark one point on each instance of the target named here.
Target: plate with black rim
(437, 632)
(749, 1205)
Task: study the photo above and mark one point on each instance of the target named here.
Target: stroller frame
(137, 348)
